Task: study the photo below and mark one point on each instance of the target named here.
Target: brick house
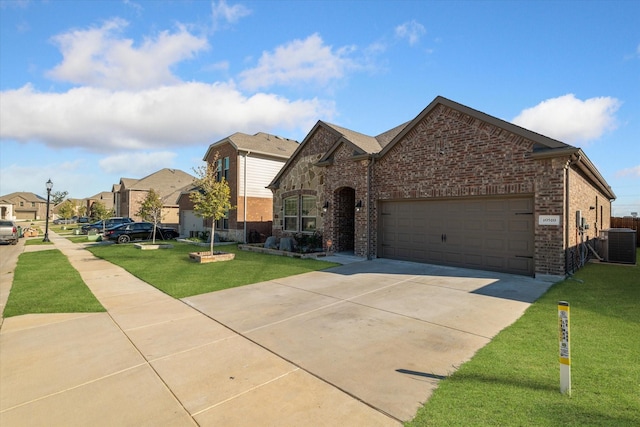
(24, 206)
(453, 186)
(248, 163)
(168, 183)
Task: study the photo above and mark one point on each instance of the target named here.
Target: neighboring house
(453, 186)
(77, 203)
(6, 209)
(26, 206)
(168, 183)
(248, 163)
(104, 197)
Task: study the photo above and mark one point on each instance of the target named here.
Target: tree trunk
(213, 230)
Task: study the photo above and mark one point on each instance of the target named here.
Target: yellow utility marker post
(565, 348)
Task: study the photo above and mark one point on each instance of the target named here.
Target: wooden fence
(627, 222)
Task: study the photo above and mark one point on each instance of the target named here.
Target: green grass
(45, 282)
(514, 380)
(36, 241)
(171, 270)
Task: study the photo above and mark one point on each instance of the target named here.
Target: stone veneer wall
(303, 177)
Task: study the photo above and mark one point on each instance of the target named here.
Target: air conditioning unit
(619, 245)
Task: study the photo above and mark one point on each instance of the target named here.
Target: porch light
(325, 207)
(359, 206)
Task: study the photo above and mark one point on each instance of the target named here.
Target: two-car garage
(488, 233)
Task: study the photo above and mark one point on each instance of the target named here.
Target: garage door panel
(495, 262)
(520, 264)
(495, 245)
(487, 233)
(520, 225)
(496, 225)
(519, 247)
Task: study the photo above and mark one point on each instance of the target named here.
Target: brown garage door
(483, 233)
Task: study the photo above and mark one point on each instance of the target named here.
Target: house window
(300, 213)
(222, 169)
(21, 204)
(33, 204)
(291, 214)
(308, 214)
(223, 223)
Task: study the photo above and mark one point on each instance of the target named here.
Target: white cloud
(300, 61)
(169, 116)
(570, 119)
(412, 31)
(230, 14)
(139, 163)
(633, 172)
(100, 57)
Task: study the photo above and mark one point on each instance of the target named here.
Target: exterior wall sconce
(325, 207)
(359, 206)
(591, 208)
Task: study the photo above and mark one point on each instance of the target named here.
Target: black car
(125, 233)
(108, 223)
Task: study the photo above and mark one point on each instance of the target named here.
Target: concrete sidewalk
(154, 360)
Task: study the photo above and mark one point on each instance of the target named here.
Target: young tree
(100, 211)
(151, 210)
(66, 209)
(212, 198)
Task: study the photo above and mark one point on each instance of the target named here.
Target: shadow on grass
(521, 382)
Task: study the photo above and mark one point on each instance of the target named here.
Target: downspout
(245, 196)
(369, 206)
(567, 213)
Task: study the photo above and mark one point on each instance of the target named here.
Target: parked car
(84, 220)
(108, 223)
(9, 232)
(126, 233)
(64, 221)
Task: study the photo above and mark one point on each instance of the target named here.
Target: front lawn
(45, 282)
(171, 270)
(514, 380)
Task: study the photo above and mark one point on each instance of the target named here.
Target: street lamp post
(46, 226)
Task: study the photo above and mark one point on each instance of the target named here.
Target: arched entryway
(345, 201)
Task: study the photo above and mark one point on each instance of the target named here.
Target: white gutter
(245, 196)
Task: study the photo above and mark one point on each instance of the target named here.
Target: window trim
(302, 216)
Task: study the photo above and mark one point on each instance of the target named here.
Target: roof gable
(541, 142)
(319, 125)
(24, 195)
(166, 182)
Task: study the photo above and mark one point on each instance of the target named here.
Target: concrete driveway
(385, 332)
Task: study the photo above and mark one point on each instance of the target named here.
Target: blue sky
(93, 91)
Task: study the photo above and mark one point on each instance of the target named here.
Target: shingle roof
(260, 143)
(166, 182)
(27, 196)
(381, 144)
(366, 143)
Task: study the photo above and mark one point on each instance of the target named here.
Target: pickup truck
(8, 232)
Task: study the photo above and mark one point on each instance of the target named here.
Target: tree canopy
(151, 210)
(212, 197)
